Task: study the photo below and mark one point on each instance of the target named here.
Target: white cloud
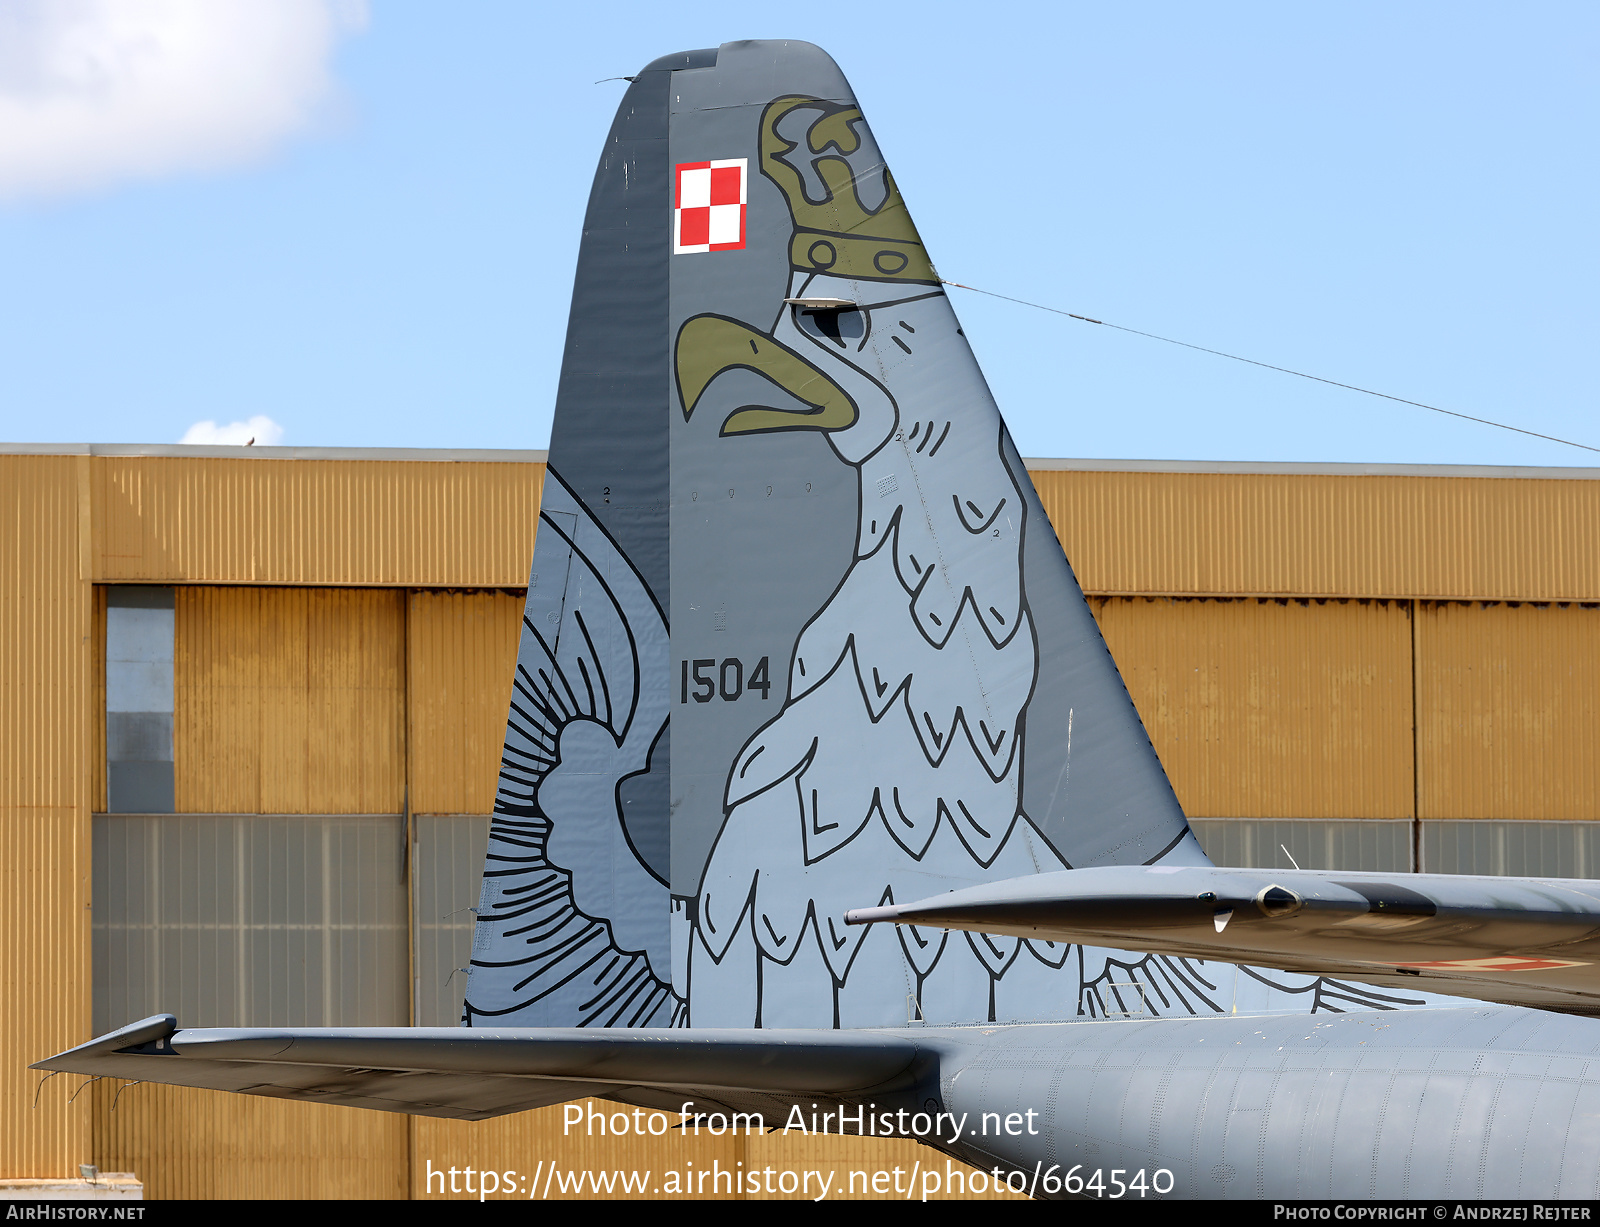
(260, 428)
(93, 92)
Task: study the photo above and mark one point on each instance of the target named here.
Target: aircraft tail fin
(881, 678)
(573, 919)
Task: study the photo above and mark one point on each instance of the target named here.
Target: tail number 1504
(726, 678)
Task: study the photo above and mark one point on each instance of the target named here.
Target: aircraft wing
(1517, 941)
(479, 1072)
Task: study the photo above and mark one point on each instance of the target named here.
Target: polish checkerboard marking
(708, 206)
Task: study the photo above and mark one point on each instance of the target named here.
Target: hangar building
(251, 707)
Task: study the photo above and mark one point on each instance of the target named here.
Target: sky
(335, 223)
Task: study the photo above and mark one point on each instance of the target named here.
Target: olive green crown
(839, 235)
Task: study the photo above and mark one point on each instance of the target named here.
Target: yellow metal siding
(289, 701)
(1272, 709)
(293, 700)
(209, 1145)
(46, 695)
(44, 965)
(1293, 534)
(45, 612)
(462, 652)
(1510, 712)
(174, 520)
(471, 525)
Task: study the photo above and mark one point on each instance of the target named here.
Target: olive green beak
(708, 345)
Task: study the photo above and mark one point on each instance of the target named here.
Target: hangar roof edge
(1034, 463)
(1047, 464)
(191, 451)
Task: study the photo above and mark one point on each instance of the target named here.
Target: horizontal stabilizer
(481, 1072)
(1519, 941)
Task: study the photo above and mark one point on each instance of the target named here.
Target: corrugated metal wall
(168, 520)
(448, 852)
(250, 920)
(1302, 534)
(46, 687)
(289, 701)
(1378, 845)
(1511, 725)
(1522, 848)
(1304, 708)
(323, 669)
(420, 524)
(185, 1143)
(1275, 708)
(463, 651)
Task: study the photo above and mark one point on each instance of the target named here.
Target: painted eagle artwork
(804, 677)
(894, 765)
(889, 764)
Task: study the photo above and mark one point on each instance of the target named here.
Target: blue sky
(1400, 196)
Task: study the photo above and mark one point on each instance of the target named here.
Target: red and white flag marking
(708, 206)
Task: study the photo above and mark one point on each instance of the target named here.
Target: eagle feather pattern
(573, 915)
(894, 768)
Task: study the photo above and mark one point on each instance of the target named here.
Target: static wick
(40, 1087)
(79, 1091)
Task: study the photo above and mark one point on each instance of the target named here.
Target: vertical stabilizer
(573, 921)
(881, 678)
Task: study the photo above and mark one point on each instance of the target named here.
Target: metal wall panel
(46, 688)
(162, 519)
(265, 738)
(1368, 844)
(45, 1004)
(1510, 722)
(205, 520)
(1519, 848)
(1266, 708)
(1299, 534)
(447, 877)
(250, 920)
(289, 701)
(208, 1145)
(45, 610)
(462, 654)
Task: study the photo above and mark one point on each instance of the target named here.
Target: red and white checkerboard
(708, 206)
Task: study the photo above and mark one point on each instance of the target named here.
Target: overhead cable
(1269, 366)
